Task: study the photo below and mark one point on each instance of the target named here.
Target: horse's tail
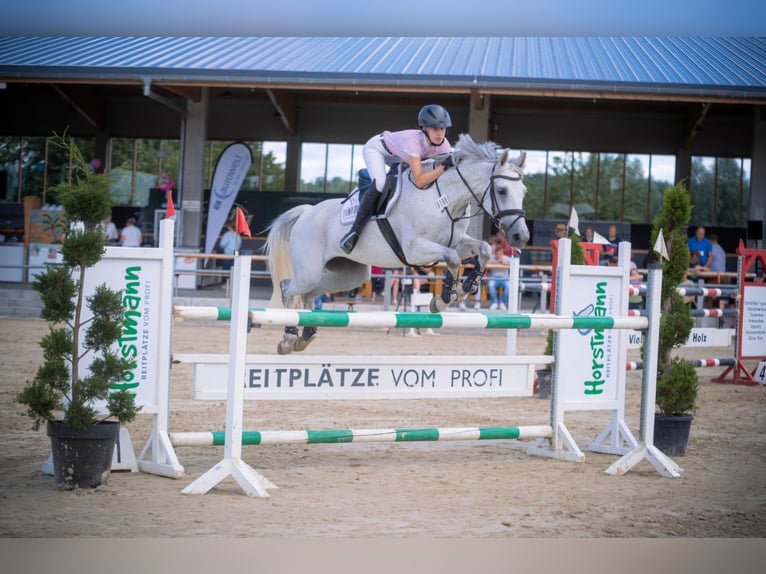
(278, 250)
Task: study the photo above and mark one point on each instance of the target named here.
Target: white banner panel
(590, 373)
(753, 327)
(136, 273)
(367, 377)
(699, 337)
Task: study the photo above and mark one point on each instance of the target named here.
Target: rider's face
(436, 135)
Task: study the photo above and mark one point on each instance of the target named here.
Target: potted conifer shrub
(63, 393)
(677, 381)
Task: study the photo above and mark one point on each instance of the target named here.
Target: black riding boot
(366, 208)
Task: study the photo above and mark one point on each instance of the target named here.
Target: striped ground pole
(693, 312)
(394, 320)
(331, 436)
(640, 289)
(535, 287)
(724, 362)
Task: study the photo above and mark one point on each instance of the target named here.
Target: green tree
(676, 381)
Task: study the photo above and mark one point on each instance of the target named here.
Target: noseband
(496, 214)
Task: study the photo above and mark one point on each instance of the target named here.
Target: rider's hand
(447, 162)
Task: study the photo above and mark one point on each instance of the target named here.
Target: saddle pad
(349, 207)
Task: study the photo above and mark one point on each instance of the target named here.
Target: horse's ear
(521, 159)
(504, 157)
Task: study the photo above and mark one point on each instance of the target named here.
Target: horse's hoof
(302, 343)
(287, 345)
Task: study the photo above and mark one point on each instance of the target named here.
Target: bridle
(495, 215)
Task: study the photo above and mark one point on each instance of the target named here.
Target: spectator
(635, 301)
(609, 254)
(718, 263)
(588, 236)
(378, 283)
(110, 230)
(498, 279)
(230, 242)
(702, 246)
(131, 235)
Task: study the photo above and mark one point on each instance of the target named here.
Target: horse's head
(507, 191)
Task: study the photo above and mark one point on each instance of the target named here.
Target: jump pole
(335, 436)
(251, 481)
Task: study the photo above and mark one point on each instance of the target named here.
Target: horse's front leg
(450, 286)
(478, 252)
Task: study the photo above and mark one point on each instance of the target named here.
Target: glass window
(611, 170)
(744, 202)
(727, 191)
(636, 190)
(534, 178)
(9, 167)
(33, 167)
(663, 174)
(559, 185)
(701, 188)
(585, 184)
(330, 168)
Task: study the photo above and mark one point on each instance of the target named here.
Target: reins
(494, 215)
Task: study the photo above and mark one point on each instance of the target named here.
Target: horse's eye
(501, 191)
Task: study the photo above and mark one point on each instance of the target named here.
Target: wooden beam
(85, 101)
(696, 125)
(284, 105)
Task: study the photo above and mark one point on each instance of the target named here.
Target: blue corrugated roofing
(735, 66)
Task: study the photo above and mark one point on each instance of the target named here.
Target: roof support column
(683, 165)
(293, 164)
(757, 208)
(478, 129)
(192, 185)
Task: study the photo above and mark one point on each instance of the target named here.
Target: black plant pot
(82, 458)
(671, 434)
(544, 377)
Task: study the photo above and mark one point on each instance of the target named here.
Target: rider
(411, 146)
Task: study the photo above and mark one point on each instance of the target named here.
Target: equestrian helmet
(434, 116)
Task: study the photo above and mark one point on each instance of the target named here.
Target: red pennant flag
(242, 226)
(170, 212)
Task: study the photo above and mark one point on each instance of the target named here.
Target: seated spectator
(497, 278)
(635, 301)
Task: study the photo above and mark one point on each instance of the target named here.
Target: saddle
(364, 183)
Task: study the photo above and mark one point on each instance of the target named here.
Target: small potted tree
(63, 392)
(677, 381)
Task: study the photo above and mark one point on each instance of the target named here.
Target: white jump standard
(592, 327)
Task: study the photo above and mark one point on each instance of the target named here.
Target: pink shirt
(408, 143)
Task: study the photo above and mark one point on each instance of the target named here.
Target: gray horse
(430, 225)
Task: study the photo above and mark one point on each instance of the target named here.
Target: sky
(391, 18)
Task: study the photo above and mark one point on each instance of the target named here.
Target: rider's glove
(447, 162)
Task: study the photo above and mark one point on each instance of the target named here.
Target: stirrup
(349, 240)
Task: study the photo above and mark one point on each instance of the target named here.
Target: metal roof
(721, 66)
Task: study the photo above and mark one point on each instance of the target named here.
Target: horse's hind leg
(308, 334)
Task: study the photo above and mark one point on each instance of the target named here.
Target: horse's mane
(466, 147)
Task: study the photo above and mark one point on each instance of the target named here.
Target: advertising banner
(137, 275)
(230, 172)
